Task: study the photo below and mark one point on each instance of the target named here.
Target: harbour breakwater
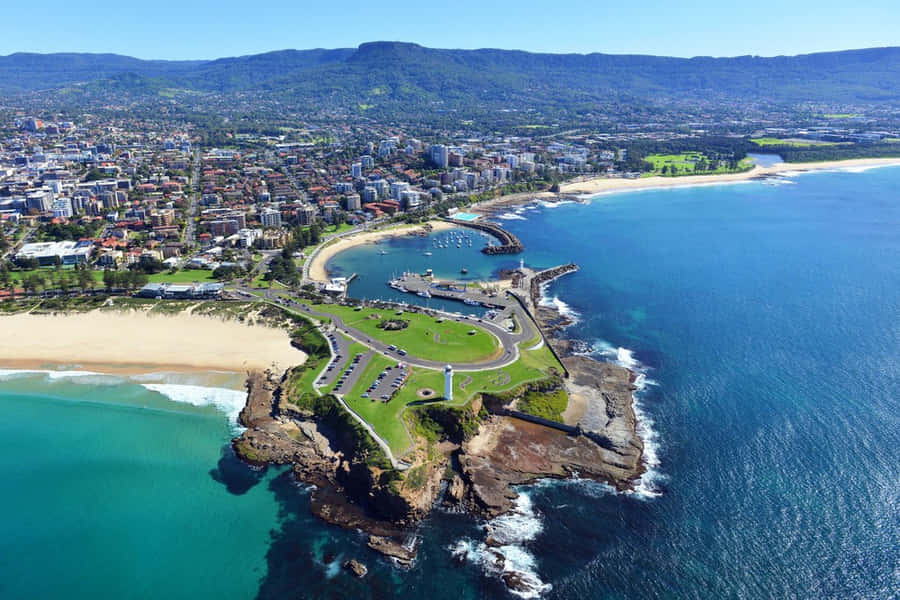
(509, 243)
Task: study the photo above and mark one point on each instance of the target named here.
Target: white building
(68, 252)
(246, 237)
(410, 200)
(270, 218)
(62, 208)
(397, 188)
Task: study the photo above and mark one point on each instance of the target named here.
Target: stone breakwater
(477, 472)
(509, 243)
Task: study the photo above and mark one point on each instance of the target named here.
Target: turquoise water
(108, 493)
(763, 317)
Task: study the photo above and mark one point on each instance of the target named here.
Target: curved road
(509, 342)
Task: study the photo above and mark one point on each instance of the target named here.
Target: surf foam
(557, 204)
(511, 216)
(648, 484)
(231, 402)
(558, 305)
(512, 532)
(52, 375)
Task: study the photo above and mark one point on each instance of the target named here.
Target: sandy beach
(587, 187)
(599, 185)
(140, 341)
(318, 261)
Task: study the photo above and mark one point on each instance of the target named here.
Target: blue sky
(194, 30)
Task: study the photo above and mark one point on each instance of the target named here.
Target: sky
(189, 29)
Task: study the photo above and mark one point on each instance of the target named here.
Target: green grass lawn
(685, 163)
(49, 273)
(840, 115)
(792, 143)
(184, 276)
(384, 417)
(424, 337)
(331, 229)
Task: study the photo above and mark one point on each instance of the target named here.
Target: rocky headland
(484, 450)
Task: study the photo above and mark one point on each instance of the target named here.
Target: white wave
(862, 169)
(231, 402)
(10, 373)
(511, 531)
(557, 204)
(555, 303)
(647, 485)
(511, 216)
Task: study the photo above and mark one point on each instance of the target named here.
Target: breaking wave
(231, 402)
(507, 557)
(648, 486)
(52, 375)
(557, 204)
(511, 216)
(558, 305)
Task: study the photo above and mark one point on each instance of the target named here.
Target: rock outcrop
(356, 567)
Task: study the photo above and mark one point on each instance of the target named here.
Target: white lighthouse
(448, 382)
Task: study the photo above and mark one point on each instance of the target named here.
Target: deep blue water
(767, 321)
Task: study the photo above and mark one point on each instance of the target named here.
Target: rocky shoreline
(477, 473)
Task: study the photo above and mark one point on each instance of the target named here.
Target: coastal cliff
(469, 457)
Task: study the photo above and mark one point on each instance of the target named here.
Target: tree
(94, 174)
(83, 277)
(109, 279)
(227, 272)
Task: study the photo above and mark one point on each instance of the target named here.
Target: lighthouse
(448, 382)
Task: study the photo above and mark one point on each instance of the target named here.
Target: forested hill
(379, 72)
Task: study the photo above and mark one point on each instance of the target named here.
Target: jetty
(509, 243)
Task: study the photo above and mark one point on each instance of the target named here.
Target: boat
(464, 270)
(382, 252)
(423, 294)
(472, 302)
(428, 254)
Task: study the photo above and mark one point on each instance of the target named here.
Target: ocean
(763, 317)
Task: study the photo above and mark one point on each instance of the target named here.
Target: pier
(461, 292)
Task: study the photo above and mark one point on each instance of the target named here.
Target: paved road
(339, 346)
(367, 226)
(188, 234)
(508, 341)
(399, 465)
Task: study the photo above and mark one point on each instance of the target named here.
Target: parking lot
(388, 381)
(351, 372)
(340, 348)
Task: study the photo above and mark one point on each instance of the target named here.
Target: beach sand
(599, 185)
(318, 261)
(141, 341)
(588, 187)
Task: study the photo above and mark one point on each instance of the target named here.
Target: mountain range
(404, 73)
